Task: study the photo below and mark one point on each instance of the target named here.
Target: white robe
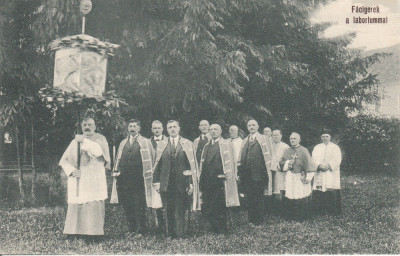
(237, 145)
(92, 183)
(327, 154)
(277, 150)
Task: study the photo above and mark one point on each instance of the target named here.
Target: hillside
(389, 67)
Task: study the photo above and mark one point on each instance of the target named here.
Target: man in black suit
(202, 140)
(218, 180)
(158, 136)
(130, 169)
(157, 130)
(255, 155)
(174, 166)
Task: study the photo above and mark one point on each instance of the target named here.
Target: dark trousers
(133, 201)
(159, 215)
(275, 204)
(327, 202)
(214, 209)
(174, 206)
(298, 209)
(255, 201)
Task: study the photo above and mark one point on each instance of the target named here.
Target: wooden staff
(78, 165)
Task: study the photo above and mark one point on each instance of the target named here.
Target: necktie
(173, 143)
(251, 138)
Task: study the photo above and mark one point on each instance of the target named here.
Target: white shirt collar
(158, 137)
(253, 136)
(176, 139)
(213, 141)
(133, 137)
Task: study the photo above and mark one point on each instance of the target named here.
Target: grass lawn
(369, 225)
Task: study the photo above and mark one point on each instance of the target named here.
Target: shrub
(371, 143)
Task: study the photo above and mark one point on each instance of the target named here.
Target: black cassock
(212, 188)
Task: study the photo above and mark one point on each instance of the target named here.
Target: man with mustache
(254, 158)
(133, 168)
(175, 176)
(297, 162)
(202, 140)
(218, 180)
(87, 187)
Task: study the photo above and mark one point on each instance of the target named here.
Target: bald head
(215, 131)
(204, 126)
(233, 131)
(252, 126)
(295, 139)
(267, 131)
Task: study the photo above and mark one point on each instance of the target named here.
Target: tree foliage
(225, 61)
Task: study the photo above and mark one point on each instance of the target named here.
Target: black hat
(327, 131)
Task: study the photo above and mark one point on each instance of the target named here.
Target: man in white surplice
(326, 187)
(87, 187)
(236, 141)
(278, 176)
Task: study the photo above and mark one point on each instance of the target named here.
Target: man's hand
(222, 176)
(189, 190)
(76, 173)
(157, 187)
(323, 167)
(79, 138)
(303, 177)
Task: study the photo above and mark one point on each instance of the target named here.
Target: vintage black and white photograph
(177, 127)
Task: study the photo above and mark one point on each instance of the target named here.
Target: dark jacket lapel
(178, 147)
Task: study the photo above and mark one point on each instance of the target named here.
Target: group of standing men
(175, 176)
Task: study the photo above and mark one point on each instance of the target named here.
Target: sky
(369, 36)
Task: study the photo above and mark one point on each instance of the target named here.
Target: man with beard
(133, 168)
(176, 176)
(218, 180)
(202, 140)
(254, 159)
(87, 187)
